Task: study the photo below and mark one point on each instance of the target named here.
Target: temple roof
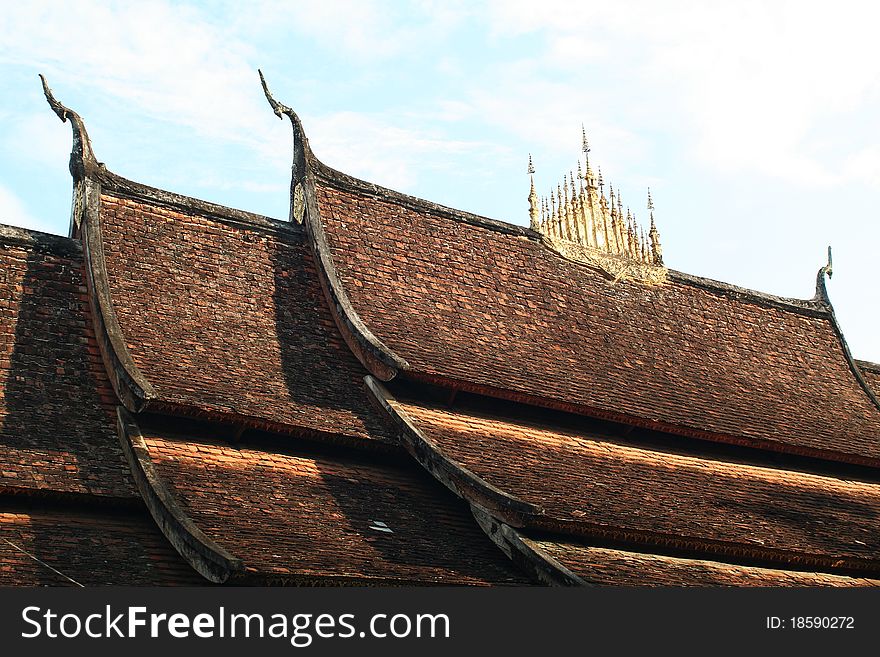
(224, 315)
(871, 373)
(303, 516)
(196, 393)
(577, 482)
(63, 546)
(605, 566)
(57, 425)
(478, 306)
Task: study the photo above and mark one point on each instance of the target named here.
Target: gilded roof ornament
(533, 196)
(582, 224)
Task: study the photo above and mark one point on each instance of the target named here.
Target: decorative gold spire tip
(580, 223)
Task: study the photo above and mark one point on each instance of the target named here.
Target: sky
(756, 124)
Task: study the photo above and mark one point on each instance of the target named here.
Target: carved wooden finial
(82, 157)
(821, 291)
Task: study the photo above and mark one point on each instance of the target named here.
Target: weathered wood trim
(454, 476)
(34, 240)
(115, 185)
(851, 362)
(208, 558)
(130, 385)
(527, 556)
(373, 354)
(379, 360)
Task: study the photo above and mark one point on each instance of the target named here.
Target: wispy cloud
(161, 61)
(750, 85)
(384, 151)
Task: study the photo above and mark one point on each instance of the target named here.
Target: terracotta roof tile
(92, 547)
(230, 318)
(56, 405)
(609, 567)
(474, 305)
(613, 485)
(871, 372)
(313, 517)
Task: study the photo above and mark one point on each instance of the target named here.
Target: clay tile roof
(612, 567)
(305, 517)
(594, 484)
(56, 405)
(223, 315)
(484, 306)
(871, 372)
(93, 547)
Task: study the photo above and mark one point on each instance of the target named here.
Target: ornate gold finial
(533, 196)
(654, 235)
(582, 224)
(585, 147)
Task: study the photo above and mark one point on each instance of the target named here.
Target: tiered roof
(387, 391)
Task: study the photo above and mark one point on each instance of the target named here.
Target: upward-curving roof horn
(82, 157)
(298, 167)
(821, 290)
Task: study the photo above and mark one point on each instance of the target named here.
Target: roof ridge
(128, 188)
(39, 240)
(867, 365)
(351, 183)
(811, 306)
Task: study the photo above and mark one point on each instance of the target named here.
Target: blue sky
(756, 125)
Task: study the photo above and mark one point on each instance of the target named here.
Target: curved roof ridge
(377, 357)
(128, 188)
(853, 365)
(352, 183)
(448, 471)
(812, 306)
(205, 555)
(867, 365)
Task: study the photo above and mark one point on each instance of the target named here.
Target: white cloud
(14, 213)
(864, 165)
(178, 65)
(751, 85)
(167, 61)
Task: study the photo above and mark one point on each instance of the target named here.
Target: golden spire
(575, 229)
(578, 218)
(615, 245)
(533, 196)
(585, 147)
(654, 235)
(566, 215)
